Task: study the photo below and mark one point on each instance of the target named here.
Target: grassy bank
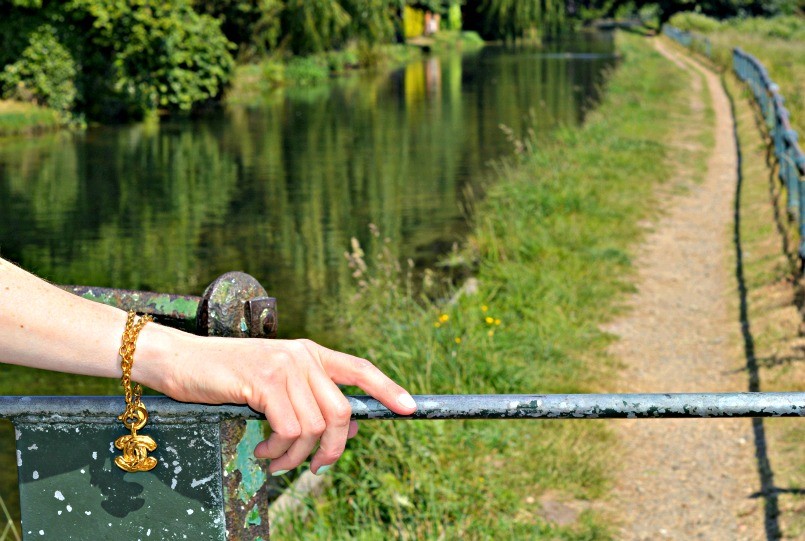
(768, 247)
(256, 79)
(551, 249)
(21, 118)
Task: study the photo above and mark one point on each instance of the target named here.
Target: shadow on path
(769, 493)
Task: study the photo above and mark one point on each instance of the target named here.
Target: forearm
(42, 326)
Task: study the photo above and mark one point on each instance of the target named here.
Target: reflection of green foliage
(44, 72)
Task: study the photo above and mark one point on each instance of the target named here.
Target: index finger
(350, 370)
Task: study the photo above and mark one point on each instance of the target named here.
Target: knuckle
(317, 426)
(331, 455)
(342, 412)
(362, 365)
(290, 430)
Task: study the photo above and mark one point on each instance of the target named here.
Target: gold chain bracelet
(135, 446)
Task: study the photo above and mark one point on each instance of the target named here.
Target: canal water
(278, 187)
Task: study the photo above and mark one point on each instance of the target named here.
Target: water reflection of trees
(277, 189)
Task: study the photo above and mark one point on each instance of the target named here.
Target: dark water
(277, 188)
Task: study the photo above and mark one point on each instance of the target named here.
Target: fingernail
(279, 472)
(323, 469)
(406, 400)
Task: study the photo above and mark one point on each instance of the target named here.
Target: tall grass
(551, 250)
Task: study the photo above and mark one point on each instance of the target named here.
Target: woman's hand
(293, 382)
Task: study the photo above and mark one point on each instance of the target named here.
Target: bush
(785, 27)
(694, 22)
(45, 72)
(154, 54)
(306, 71)
(112, 58)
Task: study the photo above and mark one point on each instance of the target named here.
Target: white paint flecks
(58, 495)
(33, 447)
(173, 483)
(69, 508)
(189, 511)
(87, 513)
(148, 533)
(94, 455)
(17, 433)
(35, 475)
(83, 470)
(176, 470)
(19, 458)
(41, 532)
(194, 483)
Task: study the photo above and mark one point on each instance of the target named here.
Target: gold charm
(135, 446)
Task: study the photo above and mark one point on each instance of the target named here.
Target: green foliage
(160, 55)
(789, 28)
(513, 19)
(134, 57)
(306, 71)
(44, 73)
(254, 26)
(691, 21)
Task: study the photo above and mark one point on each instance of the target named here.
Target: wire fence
(790, 158)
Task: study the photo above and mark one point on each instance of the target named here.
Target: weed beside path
(553, 243)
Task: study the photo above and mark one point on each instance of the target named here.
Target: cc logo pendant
(135, 446)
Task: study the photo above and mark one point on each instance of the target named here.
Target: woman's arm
(292, 381)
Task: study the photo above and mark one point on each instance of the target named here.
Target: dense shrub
(44, 73)
(113, 58)
(690, 21)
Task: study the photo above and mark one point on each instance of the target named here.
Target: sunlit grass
(551, 248)
(17, 118)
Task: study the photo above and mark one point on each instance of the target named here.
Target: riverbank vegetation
(115, 60)
(550, 249)
(18, 118)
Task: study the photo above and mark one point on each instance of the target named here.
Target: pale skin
(293, 382)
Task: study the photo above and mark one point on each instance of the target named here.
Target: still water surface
(278, 187)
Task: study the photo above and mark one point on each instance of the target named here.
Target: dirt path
(687, 479)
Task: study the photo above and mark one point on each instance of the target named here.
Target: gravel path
(687, 479)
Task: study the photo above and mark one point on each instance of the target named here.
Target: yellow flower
(489, 320)
(484, 308)
(497, 322)
(437, 324)
(444, 318)
(458, 339)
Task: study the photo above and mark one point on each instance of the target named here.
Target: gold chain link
(135, 447)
